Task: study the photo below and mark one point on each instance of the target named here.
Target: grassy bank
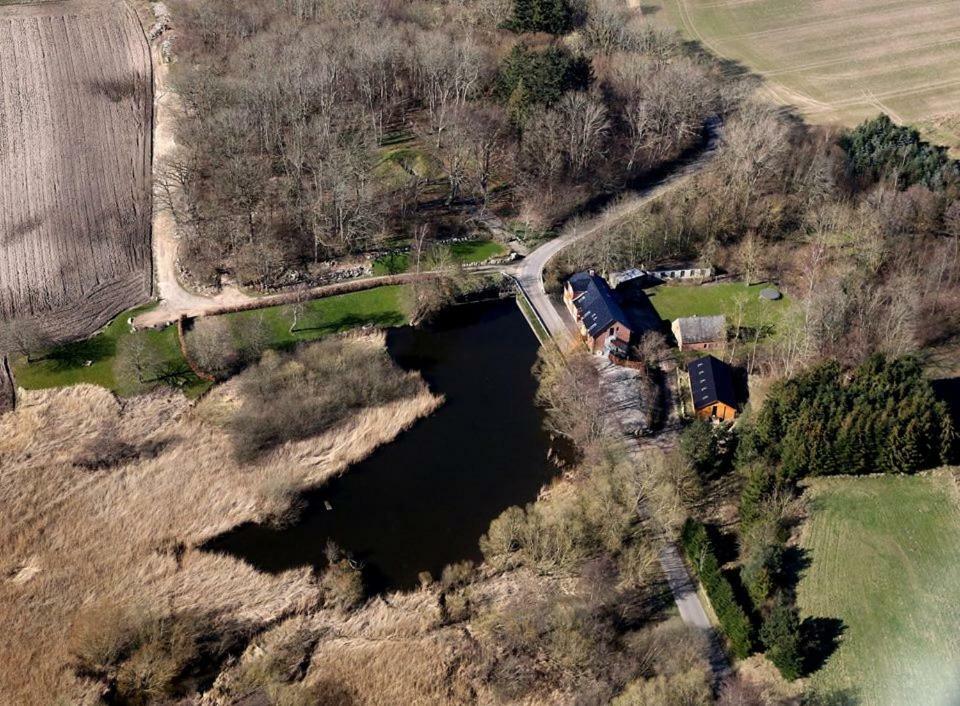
(728, 298)
(467, 252)
(884, 557)
(95, 360)
(382, 306)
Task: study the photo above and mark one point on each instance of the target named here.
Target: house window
(713, 411)
(613, 330)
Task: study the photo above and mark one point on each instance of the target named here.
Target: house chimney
(592, 272)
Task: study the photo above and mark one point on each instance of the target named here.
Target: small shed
(711, 385)
(700, 333)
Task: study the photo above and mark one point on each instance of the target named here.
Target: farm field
(676, 301)
(93, 360)
(76, 103)
(885, 559)
(841, 61)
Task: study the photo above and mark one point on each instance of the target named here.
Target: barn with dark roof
(711, 385)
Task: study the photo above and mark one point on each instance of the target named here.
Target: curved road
(529, 273)
(529, 277)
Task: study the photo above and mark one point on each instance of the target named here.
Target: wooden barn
(711, 385)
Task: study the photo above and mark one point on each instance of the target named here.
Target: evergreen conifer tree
(780, 635)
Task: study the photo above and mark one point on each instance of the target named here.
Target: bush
(342, 585)
(145, 657)
(706, 447)
(689, 688)
(456, 575)
(733, 620)
(562, 531)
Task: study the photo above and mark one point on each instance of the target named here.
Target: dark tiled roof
(711, 381)
(596, 303)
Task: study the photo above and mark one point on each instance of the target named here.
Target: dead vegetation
(75, 146)
(112, 525)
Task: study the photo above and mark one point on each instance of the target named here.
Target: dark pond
(422, 501)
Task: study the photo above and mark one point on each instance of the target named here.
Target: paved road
(529, 273)
(529, 276)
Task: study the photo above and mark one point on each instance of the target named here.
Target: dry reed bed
(396, 649)
(76, 106)
(73, 540)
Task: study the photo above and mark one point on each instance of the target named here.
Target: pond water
(423, 500)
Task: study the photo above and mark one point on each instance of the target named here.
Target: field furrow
(76, 103)
(841, 61)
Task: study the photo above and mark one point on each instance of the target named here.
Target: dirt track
(76, 113)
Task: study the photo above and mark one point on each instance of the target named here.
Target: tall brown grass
(75, 538)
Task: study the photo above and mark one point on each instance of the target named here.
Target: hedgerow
(733, 619)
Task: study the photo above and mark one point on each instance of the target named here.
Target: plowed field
(76, 113)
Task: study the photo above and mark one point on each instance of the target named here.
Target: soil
(76, 111)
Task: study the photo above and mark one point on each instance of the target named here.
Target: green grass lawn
(538, 330)
(885, 559)
(381, 306)
(467, 252)
(93, 361)
(674, 301)
(68, 364)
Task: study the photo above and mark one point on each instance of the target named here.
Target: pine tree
(780, 635)
(523, 15)
(518, 105)
(758, 484)
(556, 16)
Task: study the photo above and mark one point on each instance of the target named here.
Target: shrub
(689, 688)
(342, 582)
(105, 450)
(456, 575)
(733, 619)
(145, 657)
